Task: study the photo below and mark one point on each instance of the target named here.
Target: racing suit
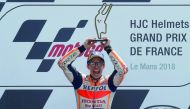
(90, 94)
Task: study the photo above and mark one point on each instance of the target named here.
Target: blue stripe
(129, 99)
(45, 65)
(29, 31)
(39, 50)
(112, 87)
(24, 99)
(77, 82)
(1, 5)
(82, 23)
(64, 34)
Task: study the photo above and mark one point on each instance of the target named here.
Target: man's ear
(88, 66)
(104, 65)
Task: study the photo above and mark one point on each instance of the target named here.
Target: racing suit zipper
(94, 97)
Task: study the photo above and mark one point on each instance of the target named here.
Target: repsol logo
(162, 107)
(94, 88)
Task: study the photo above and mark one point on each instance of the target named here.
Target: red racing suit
(90, 94)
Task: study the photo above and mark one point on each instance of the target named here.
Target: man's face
(96, 66)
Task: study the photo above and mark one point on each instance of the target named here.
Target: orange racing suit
(90, 94)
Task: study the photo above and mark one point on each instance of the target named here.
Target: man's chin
(96, 74)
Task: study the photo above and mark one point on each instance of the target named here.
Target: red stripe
(69, 53)
(93, 94)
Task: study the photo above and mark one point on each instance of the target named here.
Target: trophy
(100, 21)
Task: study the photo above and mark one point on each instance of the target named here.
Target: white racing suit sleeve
(120, 67)
(70, 72)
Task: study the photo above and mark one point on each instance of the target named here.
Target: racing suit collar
(94, 80)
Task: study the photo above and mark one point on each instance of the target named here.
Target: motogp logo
(40, 49)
